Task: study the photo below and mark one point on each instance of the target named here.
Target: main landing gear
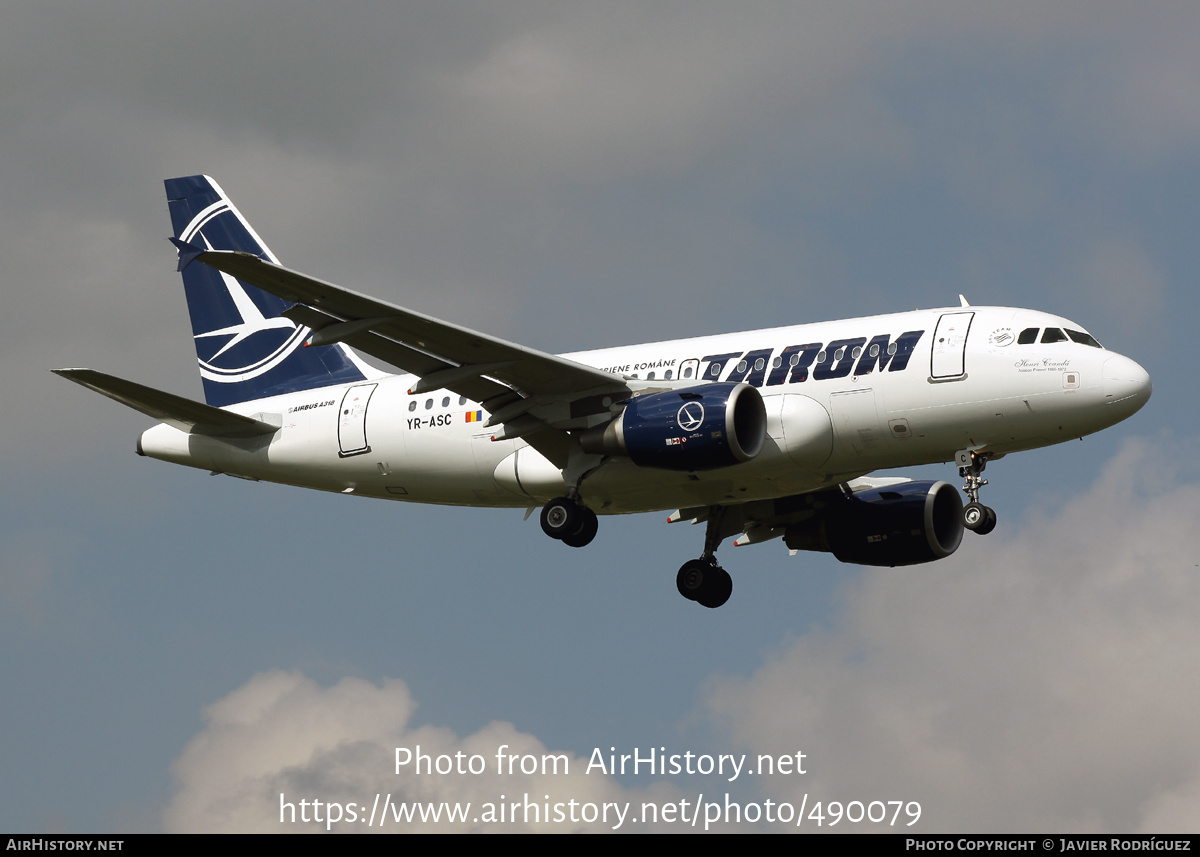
(703, 580)
(569, 521)
(976, 516)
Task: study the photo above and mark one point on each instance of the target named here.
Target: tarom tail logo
(256, 344)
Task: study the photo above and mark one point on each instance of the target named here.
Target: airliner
(761, 435)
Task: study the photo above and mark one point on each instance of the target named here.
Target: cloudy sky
(180, 649)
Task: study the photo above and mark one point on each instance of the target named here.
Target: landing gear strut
(977, 517)
(703, 580)
(569, 521)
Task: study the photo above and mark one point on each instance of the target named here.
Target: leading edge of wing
(526, 370)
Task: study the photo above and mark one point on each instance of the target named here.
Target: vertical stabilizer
(246, 350)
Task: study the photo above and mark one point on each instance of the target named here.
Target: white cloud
(1042, 680)
(282, 738)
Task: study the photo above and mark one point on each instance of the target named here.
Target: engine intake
(698, 428)
(904, 524)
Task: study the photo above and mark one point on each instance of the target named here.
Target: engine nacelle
(903, 524)
(698, 428)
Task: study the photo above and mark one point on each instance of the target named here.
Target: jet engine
(698, 428)
(903, 524)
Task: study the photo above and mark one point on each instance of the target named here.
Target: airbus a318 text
(759, 435)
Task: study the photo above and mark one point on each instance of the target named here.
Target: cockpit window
(1028, 336)
(1053, 334)
(1083, 338)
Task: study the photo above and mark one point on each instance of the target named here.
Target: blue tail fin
(245, 349)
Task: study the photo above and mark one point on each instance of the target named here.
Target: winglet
(187, 252)
(963, 301)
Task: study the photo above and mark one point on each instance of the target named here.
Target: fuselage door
(352, 420)
(688, 370)
(950, 345)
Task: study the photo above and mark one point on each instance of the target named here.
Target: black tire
(704, 582)
(588, 526)
(690, 579)
(561, 517)
(974, 516)
(989, 521)
(718, 590)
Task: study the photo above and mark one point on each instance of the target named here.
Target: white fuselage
(833, 414)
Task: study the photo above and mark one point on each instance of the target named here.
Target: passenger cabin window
(1028, 336)
(1083, 338)
(1053, 334)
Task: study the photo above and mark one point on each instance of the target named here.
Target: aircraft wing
(537, 395)
(525, 370)
(176, 411)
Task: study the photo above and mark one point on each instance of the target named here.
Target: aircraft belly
(621, 487)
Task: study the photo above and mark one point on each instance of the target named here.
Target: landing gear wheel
(704, 582)
(690, 578)
(588, 526)
(979, 518)
(561, 517)
(721, 589)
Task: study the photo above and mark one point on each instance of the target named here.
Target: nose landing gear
(977, 517)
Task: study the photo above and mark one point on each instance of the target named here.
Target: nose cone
(1126, 385)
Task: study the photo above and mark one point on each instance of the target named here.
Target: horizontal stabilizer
(175, 411)
(187, 252)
